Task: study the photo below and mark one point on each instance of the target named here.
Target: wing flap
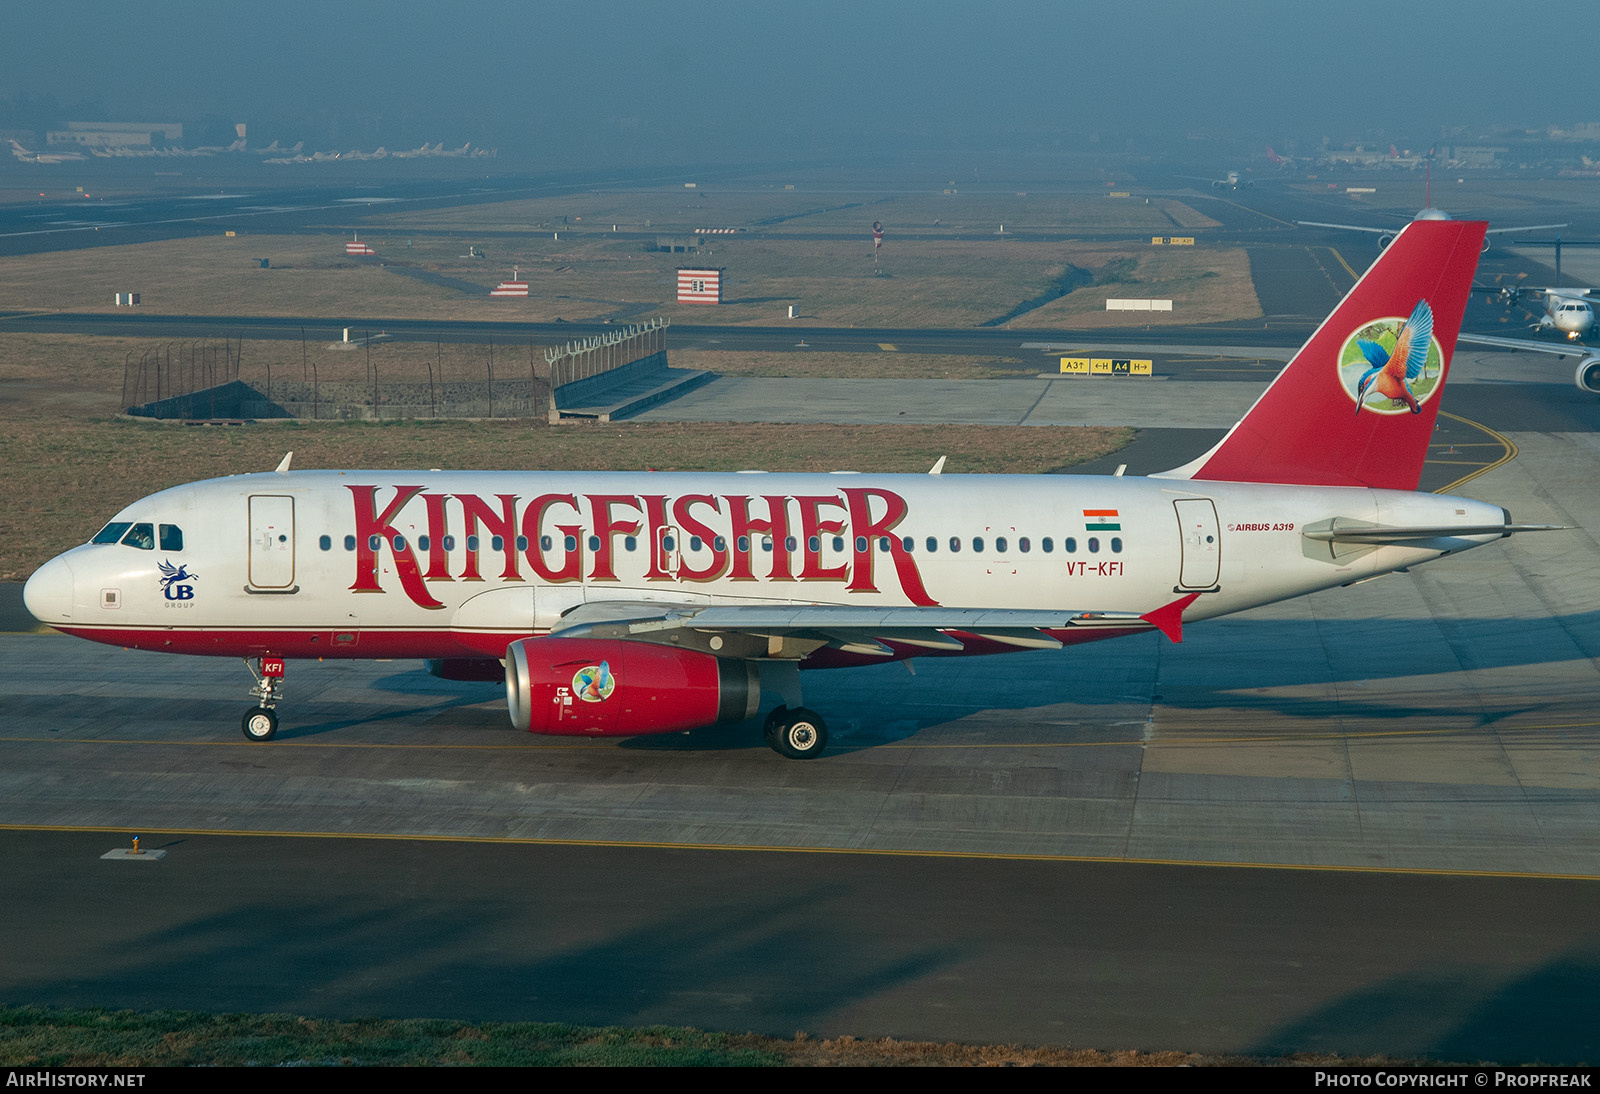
(785, 630)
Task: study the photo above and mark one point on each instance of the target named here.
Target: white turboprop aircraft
(633, 603)
(1568, 311)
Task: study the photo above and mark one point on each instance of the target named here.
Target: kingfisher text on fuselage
(563, 537)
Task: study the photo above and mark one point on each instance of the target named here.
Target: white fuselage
(459, 564)
(1569, 313)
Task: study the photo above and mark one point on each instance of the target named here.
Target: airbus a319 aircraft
(632, 603)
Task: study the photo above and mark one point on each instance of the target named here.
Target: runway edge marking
(647, 845)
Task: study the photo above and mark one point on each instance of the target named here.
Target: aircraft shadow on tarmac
(735, 944)
(1457, 1011)
(1347, 670)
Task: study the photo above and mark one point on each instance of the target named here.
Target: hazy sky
(566, 80)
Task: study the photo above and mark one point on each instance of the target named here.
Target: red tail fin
(1318, 425)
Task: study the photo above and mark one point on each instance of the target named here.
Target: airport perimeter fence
(372, 377)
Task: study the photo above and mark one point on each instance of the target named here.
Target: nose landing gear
(260, 721)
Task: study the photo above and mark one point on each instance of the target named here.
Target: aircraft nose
(48, 593)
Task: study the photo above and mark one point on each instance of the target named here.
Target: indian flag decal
(1102, 520)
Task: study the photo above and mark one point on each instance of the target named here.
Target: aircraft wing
(1348, 227)
(762, 629)
(1524, 228)
(1558, 349)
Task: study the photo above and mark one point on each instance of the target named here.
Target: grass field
(917, 283)
(91, 1037)
(678, 211)
(967, 274)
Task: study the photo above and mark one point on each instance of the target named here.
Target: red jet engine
(614, 688)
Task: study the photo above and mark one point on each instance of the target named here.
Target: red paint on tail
(1304, 429)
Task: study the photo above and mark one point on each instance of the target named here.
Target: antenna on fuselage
(283, 465)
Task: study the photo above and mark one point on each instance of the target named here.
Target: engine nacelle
(615, 688)
(1384, 240)
(1588, 375)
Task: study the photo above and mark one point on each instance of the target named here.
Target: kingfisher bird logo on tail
(1301, 430)
(1398, 373)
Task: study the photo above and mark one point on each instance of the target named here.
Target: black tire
(802, 736)
(259, 724)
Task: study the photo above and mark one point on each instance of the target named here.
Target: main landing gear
(798, 734)
(260, 722)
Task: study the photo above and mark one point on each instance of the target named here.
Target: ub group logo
(1392, 365)
(594, 683)
(175, 581)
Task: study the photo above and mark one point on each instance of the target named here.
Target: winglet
(1168, 619)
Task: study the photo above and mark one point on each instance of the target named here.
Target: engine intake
(615, 688)
(1588, 375)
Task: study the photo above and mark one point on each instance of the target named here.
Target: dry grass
(32, 1037)
(972, 276)
(1204, 285)
(679, 211)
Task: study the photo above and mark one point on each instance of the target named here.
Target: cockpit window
(171, 537)
(112, 532)
(142, 536)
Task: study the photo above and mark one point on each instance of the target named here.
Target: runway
(1025, 848)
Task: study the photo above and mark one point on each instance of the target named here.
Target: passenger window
(1094, 545)
(977, 543)
(522, 543)
(326, 543)
(112, 532)
(422, 543)
(955, 544)
(838, 544)
(497, 543)
(1000, 544)
(171, 537)
(1070, 545)
(472, 543)
(1023, 544)
(570, 543)
(449, 543)
(1116, 546)
(933, 545)
(630, 543)
(694, 543)
(1047, 545)
(349, 543)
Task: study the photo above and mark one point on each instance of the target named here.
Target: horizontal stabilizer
(1377, 534)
